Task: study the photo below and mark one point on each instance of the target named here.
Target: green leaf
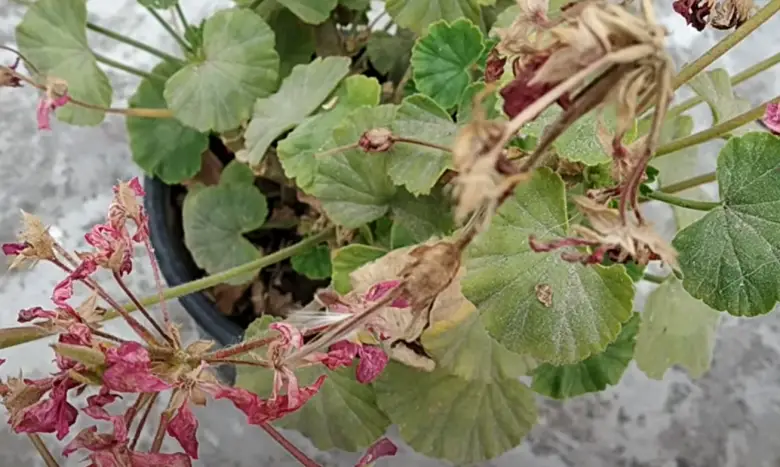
(579, 143)
(215, 219)
(676, 329)
(294, 40)
(400, 236)
(465, 349)
(301, 94)
(588, 303)
(159, 4)
(417, 15)
(314, 263)
(236, 172)
(463, 421)
(348, 259)
(466, 106)
(730, 258)
(443, 60)
(310, 11)
(163, 147)
(356, 5)
(238, 65)
(390, 54)
(423, 217)
(594, 373)
(343, 414)
(715, 88)
(53, 37)
(296, 151)
(353, 186)
(414, 166)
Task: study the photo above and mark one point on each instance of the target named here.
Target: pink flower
(184, 427)
(52, 415)
(114, 251)
(28, 314)
(129, 370)
(380, 289)
(373, 360)
(14, 249)
(78, 334)
(2, 360)
(772, 118)
(64, 290)
(381, 448)
(46, 106)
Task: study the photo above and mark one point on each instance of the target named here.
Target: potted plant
(422, 216)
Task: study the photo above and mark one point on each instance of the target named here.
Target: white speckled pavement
(729, 418)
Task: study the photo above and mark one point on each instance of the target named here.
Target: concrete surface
(728, 418)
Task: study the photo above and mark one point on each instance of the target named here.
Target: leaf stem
(422, 143)
(715, 131)
(132, 42)
(126, 68)
(288, 446)
(184, 23)
(682, 202)
(40, 446)
(255, 4)
(182, 43)
(689, 183)
(653, 278)
(698, 65)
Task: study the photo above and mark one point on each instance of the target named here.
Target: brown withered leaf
(210, 170)
(226, 296)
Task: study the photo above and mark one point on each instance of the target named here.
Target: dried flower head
(34, 242)
(55, 96)
(726, 14)
(8, 77)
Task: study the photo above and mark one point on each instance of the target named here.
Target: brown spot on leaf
(544, 294)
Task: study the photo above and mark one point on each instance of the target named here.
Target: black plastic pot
(178, 267)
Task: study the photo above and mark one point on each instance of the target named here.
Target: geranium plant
(452, 192)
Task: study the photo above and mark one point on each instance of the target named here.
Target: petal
(772, 118)
(118, 421)
(88, 438)
(290, 335)
(103, 398)
(135, 185)
(244, 400)
(380, 289)
(381, 448)
(340, 354)
(43, 114)
(184, 427)
(277, 408)
(13, 249)
(62, 293)
(28, 314)
(373, 361)
(148, 459)
(129, 353)
(133, 378)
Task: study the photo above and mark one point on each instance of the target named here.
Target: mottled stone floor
(728, 418)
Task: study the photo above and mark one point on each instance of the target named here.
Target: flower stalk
(182, 43)
(133, 43)
(681, 202)
(43, 451)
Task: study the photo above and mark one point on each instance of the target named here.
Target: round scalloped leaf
(53, 37)
(163, 147)
(310, 11)
(462, 346)
(676, 329)
(347, 259)
(238, 65)
(313, 263)
(594, 373)
(390, 54)
(442, 61)
(215, 219)
(423, 217)
(297, 151)
(579, 143)
(343, 414)
(300, 95)
(294, 40)
(463, 421)
(585, 305)
(466, 106)
(730, 258)
(418, 15)
(353, 186)
(158, 4)
(414, 166)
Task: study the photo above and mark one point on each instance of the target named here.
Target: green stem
(682, 202)
(715, 131)
(698, 65)
(120, 66)
(182, 43)
(206, 282)
(184, 23)
(132, 42)
(689, 183)
(654, 279)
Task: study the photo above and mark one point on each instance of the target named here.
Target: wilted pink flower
(28, 314)
(52, 415)
(184, 428)
(381, 448)
(772, 118)
(695, 12)
(78, 334)
(373, 360)
(129, 370)
(13, 249)
(114, 250)
(125, 207)
(64, 290)
(518, 94)
(46, 106)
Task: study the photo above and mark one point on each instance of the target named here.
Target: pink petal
(772, 118)
(63, 292)
(103, 398)
(28, 314)
(381, 448)
(78, 334)
(118, 421)
(59, 101)
(88, 438)
(290, 335)
(184, 427)
(148, 459)
(43, 114)
(340, 354)
(373, 361)
(282, 405)
(130, 353)
(244, 400)
(2, 360)
(13, 249)
(83, 270)
(380, 289)
(131, 378)
(135, 185)
(50, 415)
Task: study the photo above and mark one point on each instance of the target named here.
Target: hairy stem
(158, 284)
(182, 43)
(653, 278)
(239, 349)
(148, 402)
(235, 361)
(132, 42)
(141, 308)
(422, 143)
(689, 183)
(682, 202)
(715, 131)
(126, 68)
(159, 436)
(698, 65)
(40, 446)
(288, 446)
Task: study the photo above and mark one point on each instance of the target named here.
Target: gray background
(727, 418)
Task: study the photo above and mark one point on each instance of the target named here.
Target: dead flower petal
(184, 427)
(382, 447)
